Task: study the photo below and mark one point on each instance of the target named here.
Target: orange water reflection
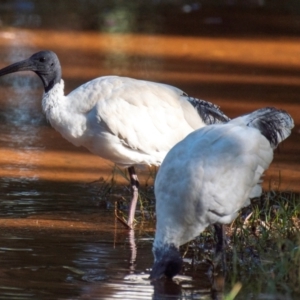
(56, 241)
(240, 75)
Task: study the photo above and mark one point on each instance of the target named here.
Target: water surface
(59, 238)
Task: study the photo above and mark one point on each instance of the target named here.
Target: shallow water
(57, 243)
(59, 239)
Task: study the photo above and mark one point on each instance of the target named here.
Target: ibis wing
(145, 116)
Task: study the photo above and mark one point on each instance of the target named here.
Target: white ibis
(208, 176)
(121, 119)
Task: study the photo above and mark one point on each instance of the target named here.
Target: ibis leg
(133, 249)
(220, 246)
(220, 234)
(135, 194)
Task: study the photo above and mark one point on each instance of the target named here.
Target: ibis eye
(42, 59)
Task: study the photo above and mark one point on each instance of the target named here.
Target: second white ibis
(207, 177)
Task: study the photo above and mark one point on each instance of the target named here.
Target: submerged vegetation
(263, 243)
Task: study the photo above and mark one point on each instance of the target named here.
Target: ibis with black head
(208, 177)
(127, 121)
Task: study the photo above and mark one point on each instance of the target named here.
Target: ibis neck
(52, 99)
(165, 238)
(61, 114)
(177, 234)
(160, 249)
(49, 85)
(50, 81)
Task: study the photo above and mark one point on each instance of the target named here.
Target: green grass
(263, 250)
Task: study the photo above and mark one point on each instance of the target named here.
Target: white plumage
(206, 178)
(121, 119)
(124, 120)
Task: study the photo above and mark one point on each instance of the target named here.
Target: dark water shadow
(199, 18)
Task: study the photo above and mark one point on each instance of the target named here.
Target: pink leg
(135, 194)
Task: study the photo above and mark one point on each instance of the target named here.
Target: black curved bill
(24, 65)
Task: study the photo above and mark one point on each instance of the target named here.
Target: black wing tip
(209, 112)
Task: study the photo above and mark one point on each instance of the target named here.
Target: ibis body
(207, 177)
(124, 120)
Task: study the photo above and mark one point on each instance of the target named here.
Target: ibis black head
(168, 262)
(44, 63)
